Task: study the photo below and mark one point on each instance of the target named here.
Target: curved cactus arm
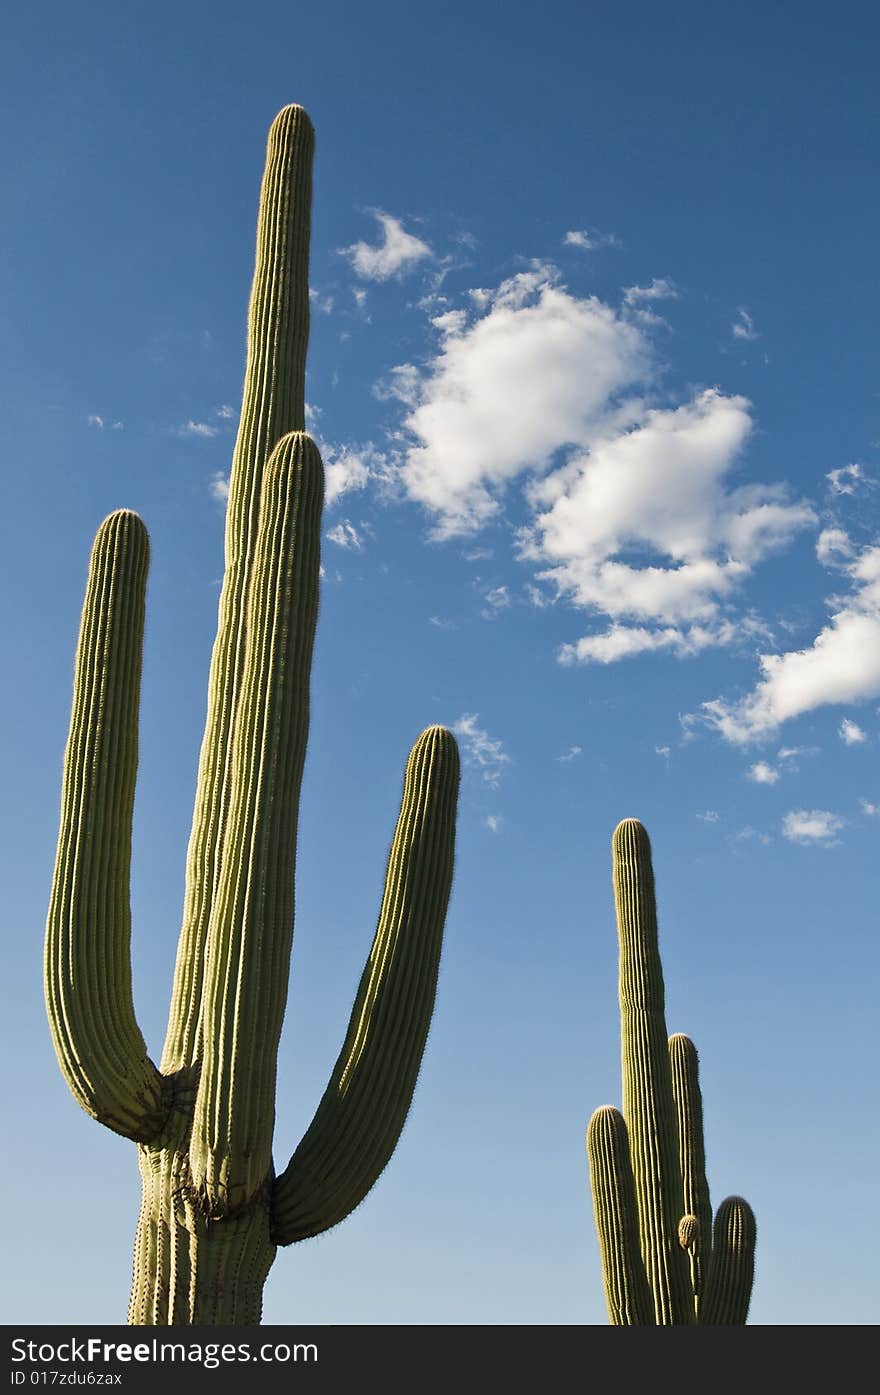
(648, 1104)
(363, 1110)
(729, 1288)
(615, 1208)
(272, 405)
(99, 1045)
(695, 1201)
(251, 928)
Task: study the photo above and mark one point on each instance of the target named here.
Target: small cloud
(442, 624)
(497, 599)
(662, 751)
(96, 421)
(661, 288)
(749, 834)
(481, 749)
(397, 253)
(494, 823)
(710, 816)
(322, 303)
(219, 487)
(762, 773)
(872, 810)
(571, 753)
(850, 733)
(196, 428)
(588, 240)
(846, 479)
(227, 412)
(360, 296)
(834, 547)
(743, 326)
(345, 534)
(811, 826)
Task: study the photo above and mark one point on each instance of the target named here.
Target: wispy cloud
(398, 252)
(588, 239)
(743, 326)
(226, 412)
(480, 749)
(846, 479)
(99, 423)
(710, 816)
(494, 823)
(196, 428)
(812, 826)
(872, 810)
(661, 288)
(344, 534)
(322, 303)
(570, 754)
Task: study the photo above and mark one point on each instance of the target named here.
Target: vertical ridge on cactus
(651, 1203)
(212, 1211)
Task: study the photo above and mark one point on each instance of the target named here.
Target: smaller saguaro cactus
(663, 1262)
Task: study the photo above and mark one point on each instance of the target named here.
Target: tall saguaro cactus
(213, 1210)
(663, 1262)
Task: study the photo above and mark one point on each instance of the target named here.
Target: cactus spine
(662, 1262)
(213, 1211)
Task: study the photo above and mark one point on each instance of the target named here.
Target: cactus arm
(692, 1158)
(729, 1288)
(87, 963)
(251, 928)
(615, 1208)
(272, 405)
(363, 1110)
(648, 1104)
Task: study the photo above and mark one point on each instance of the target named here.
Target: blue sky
(593, 368)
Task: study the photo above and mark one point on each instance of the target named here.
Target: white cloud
(396, 254)
(349, 467)
(570, 753)
(743, 326)
(480, 749)
(846, 479)
(227, 412)
(344, 534)
(322, 303)
(841, 666)
(96, 421)
(850, 733)
(749, 834)
(834, 547)
(661, 288)
(537, 371)
(762, 773)
(219, 486)
(811, 826)
(710, 816)
(872, 810)
(494, 823)
(588, 240)
(662, 751)
(196, 428)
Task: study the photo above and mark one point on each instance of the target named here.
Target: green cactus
(663, 1263)
(213, 1211)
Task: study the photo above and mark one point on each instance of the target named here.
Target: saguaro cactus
(213, 1210)
(662, 1262)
